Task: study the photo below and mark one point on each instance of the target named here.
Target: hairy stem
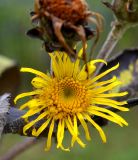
(113, 37)
(19, 148)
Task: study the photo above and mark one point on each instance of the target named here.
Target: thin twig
(19, 148)
(113, 37)
(4, 108)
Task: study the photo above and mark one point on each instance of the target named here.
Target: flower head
(67, 98)
(70, 11)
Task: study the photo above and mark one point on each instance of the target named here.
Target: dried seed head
(61, 24)
(73, 11)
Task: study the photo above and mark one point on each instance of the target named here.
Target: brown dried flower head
(62, 23)
(73, 11)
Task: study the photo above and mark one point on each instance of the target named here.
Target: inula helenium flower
(67, 98)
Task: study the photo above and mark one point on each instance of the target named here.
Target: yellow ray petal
(31, 104)
(59, 134)
(48, 145)
(69, 67)
(64, 149)
(75, 128)
(99, 84)
(74, 135)
(22, 95)
(110, 118)
(101, 132)
(32, 112)
(111, 105)
(105, 88)
(91, 67)
(110, 95)
(41, 74)
(119, 118)
(38, 82)
(104, 73)
(76, 68)
(71, 124)
(70, 121)
(109, 101)
(29, 125)
(84, 125)
(42, 128)
(82, 75)
(98, 61)
(60, 63)
(75, 125)
(55, 67)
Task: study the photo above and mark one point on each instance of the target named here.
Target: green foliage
(122, 144)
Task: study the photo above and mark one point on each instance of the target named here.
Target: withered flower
(61, 24)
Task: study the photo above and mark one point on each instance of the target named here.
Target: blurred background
(122, 144)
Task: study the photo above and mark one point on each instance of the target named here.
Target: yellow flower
(66, 98)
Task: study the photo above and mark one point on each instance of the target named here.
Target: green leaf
(9, 76)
